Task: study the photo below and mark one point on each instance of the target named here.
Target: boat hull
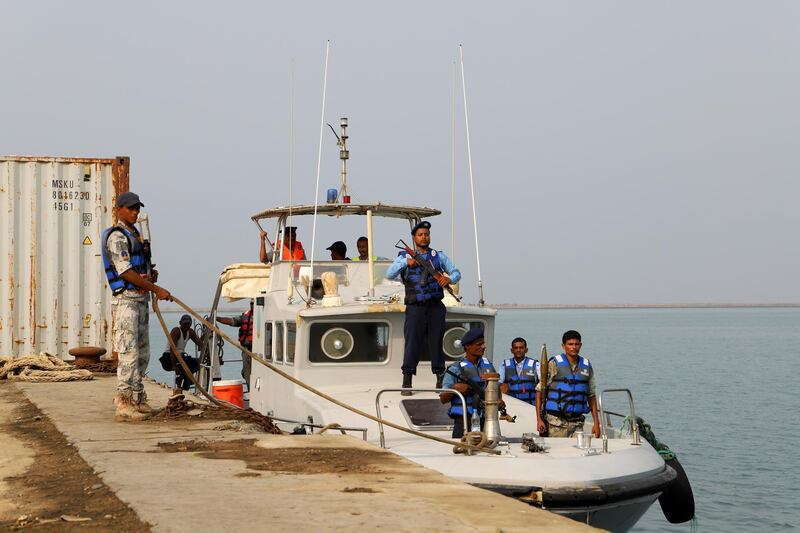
(614, 506)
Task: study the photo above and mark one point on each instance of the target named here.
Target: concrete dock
(66, 464)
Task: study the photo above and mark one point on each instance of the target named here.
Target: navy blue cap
(128, 199)
(338, 246)
(186, 319)
(422, 224)
(471, 336)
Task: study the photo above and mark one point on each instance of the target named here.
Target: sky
(622, 152)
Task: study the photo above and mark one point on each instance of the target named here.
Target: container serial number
(70, 195)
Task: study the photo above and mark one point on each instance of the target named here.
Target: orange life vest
(298, 254)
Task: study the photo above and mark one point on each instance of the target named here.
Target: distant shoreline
(648, 306)
(507, 306)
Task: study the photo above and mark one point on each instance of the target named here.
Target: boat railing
(378, 406)
(604, 422)
(342, 429)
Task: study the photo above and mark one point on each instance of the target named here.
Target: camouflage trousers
(131, 342)
(558, 427)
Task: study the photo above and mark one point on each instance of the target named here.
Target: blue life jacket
(467, 372)
(421, 286)
(522, 387)
(568, 394)
(137, 258)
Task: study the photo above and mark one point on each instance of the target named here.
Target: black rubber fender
(677, 500)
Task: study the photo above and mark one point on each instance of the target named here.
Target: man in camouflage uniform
(131, 280)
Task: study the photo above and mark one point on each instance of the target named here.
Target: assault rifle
(144, 233)
(427, 265)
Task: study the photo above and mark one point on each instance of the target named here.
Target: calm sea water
(715, 384)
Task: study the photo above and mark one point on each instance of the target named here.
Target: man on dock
(181, 336)
(126, 260)
(425, 312)
(570, 391)
(465, 377)
(519, 374)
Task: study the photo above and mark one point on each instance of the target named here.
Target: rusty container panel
(53, 292)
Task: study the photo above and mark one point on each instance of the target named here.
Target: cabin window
(278, 342)
(349, 342)
(453, 331)
(291, 339)
(325, 266)
(268, 341)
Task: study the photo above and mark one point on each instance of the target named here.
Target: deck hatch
(427, 414)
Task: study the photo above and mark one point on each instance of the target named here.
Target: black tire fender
(677, 500)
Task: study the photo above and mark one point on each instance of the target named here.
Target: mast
(344, 155)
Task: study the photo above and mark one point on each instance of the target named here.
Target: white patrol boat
(345, 337)
(338, 327)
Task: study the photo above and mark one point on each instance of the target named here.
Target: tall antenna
(319, 156)
(471, 178)
(453, 161)
(291, 153)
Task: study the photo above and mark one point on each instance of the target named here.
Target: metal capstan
(491, 426)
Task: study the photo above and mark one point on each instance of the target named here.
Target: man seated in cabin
(338, 251)
(519, 374)
(362, 244)
(291, 251)
(570, 391)
(465, 376)
(180, 336)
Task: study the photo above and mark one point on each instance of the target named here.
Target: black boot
(439, 380)
(407, 384)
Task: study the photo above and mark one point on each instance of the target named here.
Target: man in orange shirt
(292, 251)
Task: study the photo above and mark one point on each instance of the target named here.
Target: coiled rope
(296, 381)
(42, 368)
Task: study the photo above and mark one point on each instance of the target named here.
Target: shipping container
(53, 292)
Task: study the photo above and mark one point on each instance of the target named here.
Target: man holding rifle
(425, 279)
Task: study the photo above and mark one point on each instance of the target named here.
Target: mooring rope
(251, 414)
(646, 432)
(300, 383)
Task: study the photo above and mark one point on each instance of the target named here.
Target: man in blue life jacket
(570, 391)
(126, 261)
(519, 374)
(425, 312)
(465, 376)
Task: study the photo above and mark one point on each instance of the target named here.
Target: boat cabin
(334, 323)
